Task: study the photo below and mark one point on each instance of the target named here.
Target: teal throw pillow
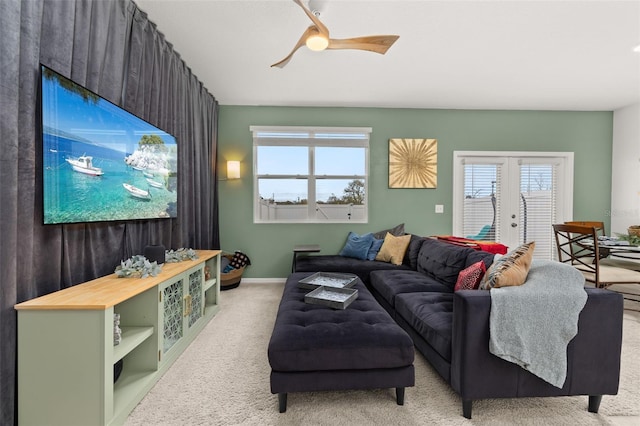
(357, 246)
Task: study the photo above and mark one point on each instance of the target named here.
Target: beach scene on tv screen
(101, 163)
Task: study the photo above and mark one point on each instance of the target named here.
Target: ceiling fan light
(317, 42)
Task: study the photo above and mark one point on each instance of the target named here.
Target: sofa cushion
(393, 249)
(470, 278)
(411, 256)
(357, 246)
(480, 255)
(511, 269)
(388, 284)
(442, 261)
(431, 316)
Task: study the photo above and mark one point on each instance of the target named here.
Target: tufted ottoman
(315, 348)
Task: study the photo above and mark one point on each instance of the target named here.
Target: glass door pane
(538, 207)
(481, 201)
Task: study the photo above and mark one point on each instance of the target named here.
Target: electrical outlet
(439, 208)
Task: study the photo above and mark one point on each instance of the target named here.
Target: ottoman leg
(282, 402)
(400, 396)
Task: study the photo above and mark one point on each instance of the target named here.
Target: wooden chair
(603, 252)
(578, 245)
(606, 256)
(590, 224)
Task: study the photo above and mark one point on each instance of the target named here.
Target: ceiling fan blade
(311, 30)
(378, 43)
(316, 21)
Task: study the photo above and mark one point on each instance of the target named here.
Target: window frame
(310, 138)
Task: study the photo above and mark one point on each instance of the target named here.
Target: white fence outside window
(272, 211)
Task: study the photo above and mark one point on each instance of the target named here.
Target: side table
(303, 248)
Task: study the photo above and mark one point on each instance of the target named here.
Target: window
(310, 174)
(512, 198)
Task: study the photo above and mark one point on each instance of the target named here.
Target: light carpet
(223, 379)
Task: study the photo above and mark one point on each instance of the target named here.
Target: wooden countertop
(108, 291)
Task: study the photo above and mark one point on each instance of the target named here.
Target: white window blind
(481, 201)
(538, 193)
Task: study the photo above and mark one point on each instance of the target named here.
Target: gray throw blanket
(532, 324)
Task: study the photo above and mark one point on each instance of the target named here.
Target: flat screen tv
(100, 162)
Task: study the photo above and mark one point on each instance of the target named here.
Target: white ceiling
(509, 54)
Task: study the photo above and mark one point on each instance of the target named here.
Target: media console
(66, 351)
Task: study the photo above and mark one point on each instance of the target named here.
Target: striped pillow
(511, 269)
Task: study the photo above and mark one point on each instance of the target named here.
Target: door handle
(513, 224)
(188, 306)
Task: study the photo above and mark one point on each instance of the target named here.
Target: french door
(512, 197)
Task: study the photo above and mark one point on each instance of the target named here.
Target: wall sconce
(233, 170)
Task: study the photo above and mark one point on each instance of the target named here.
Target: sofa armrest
(473, 367)
(593, 355)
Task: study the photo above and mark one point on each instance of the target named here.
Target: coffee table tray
(333, 297)
(328, 279)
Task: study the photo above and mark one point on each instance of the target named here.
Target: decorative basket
(232, 278)
(634, 230)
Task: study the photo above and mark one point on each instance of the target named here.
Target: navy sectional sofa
(451, 329)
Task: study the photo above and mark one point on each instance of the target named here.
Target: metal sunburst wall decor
(413, 163)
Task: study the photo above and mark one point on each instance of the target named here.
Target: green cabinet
(181, 308)
(66, 350)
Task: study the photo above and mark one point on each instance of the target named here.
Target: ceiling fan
(316, 37)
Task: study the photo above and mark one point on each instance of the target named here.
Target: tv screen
(100, 162)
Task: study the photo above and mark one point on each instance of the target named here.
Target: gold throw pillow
(393, 249)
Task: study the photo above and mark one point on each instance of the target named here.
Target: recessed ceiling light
(637, 49)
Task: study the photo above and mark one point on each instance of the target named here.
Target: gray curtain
(161, 87)
(111, 48)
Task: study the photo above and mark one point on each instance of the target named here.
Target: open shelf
(128, 389)
(131, 338)
(209, 283)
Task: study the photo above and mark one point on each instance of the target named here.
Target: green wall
(587, 134)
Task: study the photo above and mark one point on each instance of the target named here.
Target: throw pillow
(397, 230)
(239, 260)
(374, 249)
(357, 246)
(470, 278)
(393, 249)
(510, 269)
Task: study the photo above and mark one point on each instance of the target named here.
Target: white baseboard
(264, 280)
